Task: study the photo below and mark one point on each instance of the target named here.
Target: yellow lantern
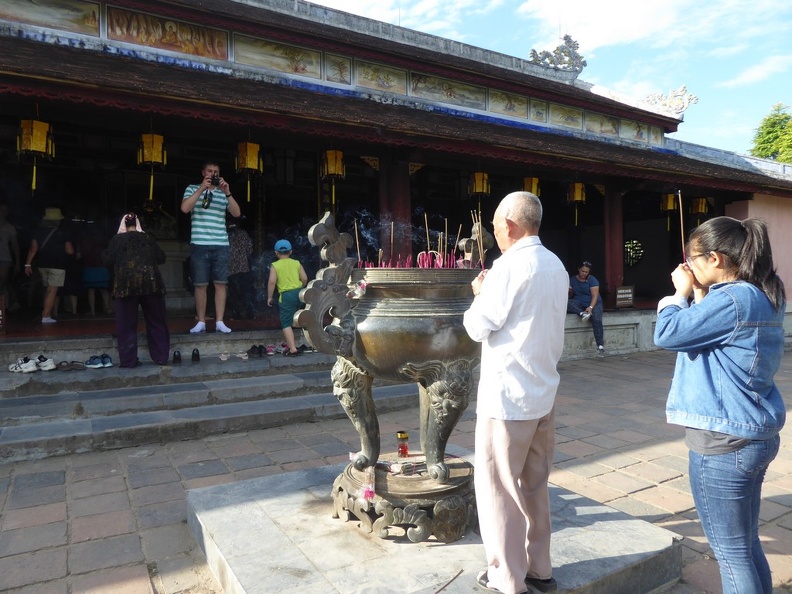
(668, 204)
(479, 186)
(333, 164)
(151, 151)
(35, 138)
(248, 160)
(332, 168)
(699, 206)
(531, 184)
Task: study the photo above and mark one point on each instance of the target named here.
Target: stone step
(31, 438)
(210, 367)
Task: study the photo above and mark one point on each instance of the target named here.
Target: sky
(734, 56)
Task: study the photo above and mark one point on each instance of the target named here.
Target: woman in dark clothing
(137, 281)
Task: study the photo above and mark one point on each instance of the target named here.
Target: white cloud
(758, 72)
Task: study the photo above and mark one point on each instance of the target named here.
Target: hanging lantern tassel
(577, 195)
(33, 182)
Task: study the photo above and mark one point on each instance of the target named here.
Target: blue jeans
(596, 318)
(208, 262)
(727, 490)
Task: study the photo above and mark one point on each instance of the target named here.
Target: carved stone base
(409, 498)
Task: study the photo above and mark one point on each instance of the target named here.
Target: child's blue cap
(283, 245)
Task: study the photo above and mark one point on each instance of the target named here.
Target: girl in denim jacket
(729, 342)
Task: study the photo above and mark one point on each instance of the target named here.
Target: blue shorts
(208, 262)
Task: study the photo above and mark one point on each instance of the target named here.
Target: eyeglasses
(689, 259)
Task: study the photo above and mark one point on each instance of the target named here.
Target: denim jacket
(729, 349)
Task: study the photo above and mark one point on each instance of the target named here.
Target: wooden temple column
(614, 243)
(395, 207)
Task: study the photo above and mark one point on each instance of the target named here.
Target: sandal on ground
(64, 366)
(224, 356)
(77, 365)
(242, 355)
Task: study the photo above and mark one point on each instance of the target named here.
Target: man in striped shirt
(208, 202)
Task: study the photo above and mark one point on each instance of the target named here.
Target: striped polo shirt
(208, 224)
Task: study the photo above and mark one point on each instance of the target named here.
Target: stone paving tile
(54, 587)
(34, 516)
(32, 568)
(99, 504)
(579, 449)
(4, 484)
(34, 497)
(154, 476)
(118, 580)
(178, 574)
(96, 471)
(156, 494)
(163, 542)
(652, 472)
(585, 468)
(638, 509)
(102, 525)
(208, 481)
(201, 469)
(160, 514)
(104, 553)
(295, 454)
(614, 460)
(97, 486)
(32, 538)
(247, 461)
(38, 480)
(623, 482)
(251, 473)
(666, 498)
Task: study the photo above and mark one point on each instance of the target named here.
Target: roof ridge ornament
(676, 102)
(565, 57)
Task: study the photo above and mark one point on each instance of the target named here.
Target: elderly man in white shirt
(518, 316)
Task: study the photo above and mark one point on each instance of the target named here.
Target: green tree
(773, 138)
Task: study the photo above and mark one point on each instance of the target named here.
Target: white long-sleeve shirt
(518, 317)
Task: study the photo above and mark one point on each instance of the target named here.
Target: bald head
(523, 209)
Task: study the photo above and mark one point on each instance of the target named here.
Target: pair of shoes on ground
(584, 315)
(71, 366)
(28, 365)
(546, 585)
(259, 350)
(200, 328)
(177, 358)
(288, 353)
(98, 361)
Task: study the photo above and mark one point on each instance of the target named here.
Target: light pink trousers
(513, 462)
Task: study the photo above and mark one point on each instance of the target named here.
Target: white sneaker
(23, 365)
(600, 351)
(199, 328)
(584, 315)
(221, 327)
(48, 320)
(45, 364)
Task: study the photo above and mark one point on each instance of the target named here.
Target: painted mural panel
(538, 110)
(570, 117)
(602, 124)
(655, 135)
(277, 56)
(75, 16)
(381, 78)
(631, 130)
(508, 104)
(166, 34)
(444, 90)
(338, 69)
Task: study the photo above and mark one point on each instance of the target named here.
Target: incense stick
(357, 241)
(426, 224)
(681, 223)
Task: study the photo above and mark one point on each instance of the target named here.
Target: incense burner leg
(444, 395)
(352, 387)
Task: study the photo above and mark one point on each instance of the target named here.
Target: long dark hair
(747, 248)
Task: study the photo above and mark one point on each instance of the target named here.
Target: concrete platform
(276, 535)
